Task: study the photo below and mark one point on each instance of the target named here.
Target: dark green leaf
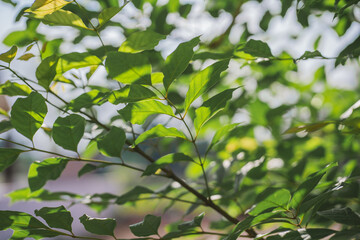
(342, 215)
(149, 226)
(101, 226)
(309, 54)
(107, 14)
(87, 100)
(164, 161)
(86, 169)
(204, 80)
(279, 198)
(196, 222)
(64, 18)
(221, 133)
(177, 62)
(41, 172)
(138, 112)
(27, 114)
(140, 41)
(7, 157)
(68, 131)
(129, 68)
(352, 50)
(347, 234)
(132, 93)
(56, 217)
(159, 131)
(14, 89)
(46, 71)
(5, 125)
(133, 194)
(257, 48)
(111, 144)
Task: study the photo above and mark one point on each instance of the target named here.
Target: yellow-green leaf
(26, 56)
(9, 55)
(64, 18)
(44, 7)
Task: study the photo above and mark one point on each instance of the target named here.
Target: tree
(288, 169)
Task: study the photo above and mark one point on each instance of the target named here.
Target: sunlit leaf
(9, 55)
(44, 7)
(14, 89)
(64, 18)
(101, 226)
(56, 217)
(107, 14)
(159, 131)
(166, 160)
(140, 41)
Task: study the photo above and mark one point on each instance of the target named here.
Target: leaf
(307, 186)
(138, 112)
(129, 68)
(257, 48)
(157, 78)
(352, 50)
(196, 222)
(56, 217)
(64, 18)
(87, 100)
(342, 215)
(25, 194)
(46, 71)
(347, 234)
(27, 114)
(278, 198)
(107, 14)
(309, 54)
(41, 172)
(9, 55)
(221, 133)
(164, 161)
(211, 107)
(26, 56)
(100, 226)
(308, 128)
(177, 61)
(24, 226)
(204, 80)
(86, 169)
(111, 144)
(76, 60)
(140, 41)
(133, 195)
(149, 226)
(5, 126)
(44, 7)
(68, 131)
(159, 131)
(8, 156)
(132, 93)
(14, 89)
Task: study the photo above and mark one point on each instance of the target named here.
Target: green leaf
(157, 78)
(164, 161)
(41, 172)
(138, 112)
(26, 56)
(64, 18)
(278, 198)
(100, 226)
(149, 226)
(129, 68)
(342, 215)
(76, 60)
(309, 54)
(211, 107)
(86, 169)
(111, 144)
(307, 186)
(46, 71)
(133, 195)
(204, 80)
(107, 14)
(140, 41)
(132, 93)
(221, 133)
(44, 7)
(9, 55)
(56, 217)
(352, 50)
(25, 194)
(347, 234)
(177, 62)
(7, 157)
(309, 127)
(14, 89)
(196, 222)
(5, 126)
(68, 131)
(159, 131)
(257, 48)
(27, 114)
(87, 100)
(24, 226)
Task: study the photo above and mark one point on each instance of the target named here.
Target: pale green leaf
(138, 112)
(44, 7)
(76, 60)
(157, 77)
(14, 89)
(159, 131)
(140, 41)
(64, 18)
(129, 68)
(27, 114)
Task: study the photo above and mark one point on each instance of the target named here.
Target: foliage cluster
(181, 116)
